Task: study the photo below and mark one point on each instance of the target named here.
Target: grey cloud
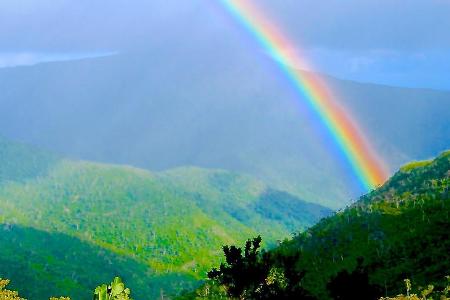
(349, 33)
(349, 24)
(356, 24)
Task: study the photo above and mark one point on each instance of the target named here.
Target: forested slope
(401, 230)
(161, 225)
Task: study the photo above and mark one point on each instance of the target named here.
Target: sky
(393, 42)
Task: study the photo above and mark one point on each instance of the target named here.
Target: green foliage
(414, 165)
(6, 294)
(249, 274)
(242, 274)
(423, 293)
(210, 289)
(115, 291)
(14, 295)
(351, 286)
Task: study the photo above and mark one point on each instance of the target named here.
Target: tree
(354, 285)
(241, 274)
(250, 274)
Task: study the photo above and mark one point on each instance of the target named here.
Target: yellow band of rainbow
(367, 166)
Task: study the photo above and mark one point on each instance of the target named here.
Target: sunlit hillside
(161, 229)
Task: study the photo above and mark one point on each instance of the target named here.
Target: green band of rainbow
(368, 167)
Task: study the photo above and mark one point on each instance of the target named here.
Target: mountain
(398, 231)
(189, 104)
(77, 223)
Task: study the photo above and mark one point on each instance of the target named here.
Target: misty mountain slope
(187, 105)
(405, 124)
(18, 163)
(162, 221)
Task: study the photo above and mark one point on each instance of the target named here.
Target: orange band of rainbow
(367, 166)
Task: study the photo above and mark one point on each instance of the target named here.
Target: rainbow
(366, 165)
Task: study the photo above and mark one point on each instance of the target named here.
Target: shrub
(115, 291)
(7, 294)
(428, 293)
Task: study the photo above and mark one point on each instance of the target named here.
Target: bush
(7, 294)
(114, 291)
(423, 294)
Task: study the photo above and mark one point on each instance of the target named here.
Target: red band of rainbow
(367, 166)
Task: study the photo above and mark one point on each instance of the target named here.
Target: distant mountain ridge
(160, 230)
(160, 109)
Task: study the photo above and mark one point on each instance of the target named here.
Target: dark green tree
(242, 273)
(354, 285)
(251, 274)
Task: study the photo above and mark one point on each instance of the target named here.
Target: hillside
(20, 162)
(44, 264)
(160, 109)
(157, 230)
(401, 230)
(398, 231)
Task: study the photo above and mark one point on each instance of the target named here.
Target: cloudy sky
(404, 43)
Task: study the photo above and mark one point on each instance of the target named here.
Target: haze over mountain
(191, 87)
(158, 109)
(381, 41)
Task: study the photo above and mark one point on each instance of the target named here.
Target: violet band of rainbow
(368, 167)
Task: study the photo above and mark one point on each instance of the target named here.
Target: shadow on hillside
(42, 264)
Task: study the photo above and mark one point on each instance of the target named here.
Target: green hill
(401, 230)
(44, 264)
(156, 227)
